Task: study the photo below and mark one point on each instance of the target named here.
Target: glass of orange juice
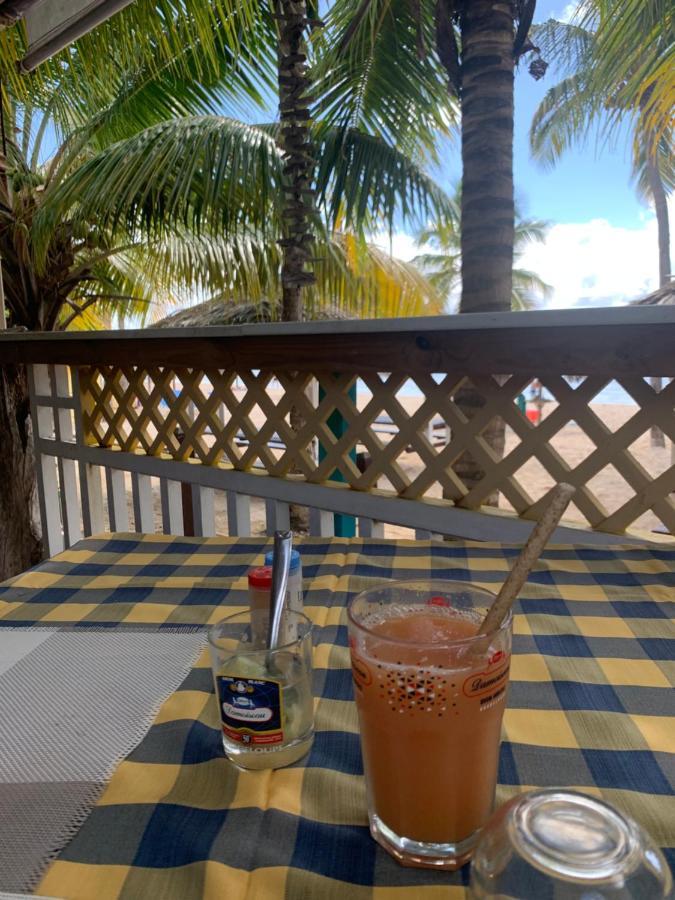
(431, 695)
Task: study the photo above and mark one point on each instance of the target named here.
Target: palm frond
(613, 53)
(528, 289)
(428, 262)
(664, 160)
(364, 181)
(634, 61)
(362, 278)
(374, 79)
(567, 46)
(528, 230)
(444, 233)
(189, 266)
(561, 119)
(353, 276)
(237, 86)
(214, 174)
(198, 172)
(147, 33)
(446, 279)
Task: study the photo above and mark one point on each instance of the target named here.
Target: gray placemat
(72, 705)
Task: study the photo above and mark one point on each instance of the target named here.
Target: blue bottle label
(250, 709)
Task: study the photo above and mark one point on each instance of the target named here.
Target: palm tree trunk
(487, 32)
(487, 232)
(662, 224)
(20, 545)
(299, 204)
(294, 115)
(663, 230)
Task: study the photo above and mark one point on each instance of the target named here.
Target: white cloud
(590, 263)
(402, 246)
(595, 263)
(568, 13)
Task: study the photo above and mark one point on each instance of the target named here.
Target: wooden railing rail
(211, 408)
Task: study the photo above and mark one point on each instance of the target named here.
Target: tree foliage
(156, 196)
(607, 87)
(617, 65)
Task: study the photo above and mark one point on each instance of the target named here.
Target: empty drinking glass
(264, 696)
(563, 845)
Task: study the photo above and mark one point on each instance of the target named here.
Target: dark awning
(53, 24)
(12, 10)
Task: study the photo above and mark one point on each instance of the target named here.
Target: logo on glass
(250, 709)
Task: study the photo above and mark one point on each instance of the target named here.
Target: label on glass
(250, 709)
(489, 685)
(361, 672)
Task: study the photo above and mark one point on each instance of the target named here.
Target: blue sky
(587, 183)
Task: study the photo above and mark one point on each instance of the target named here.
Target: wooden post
(238, 514)
(64, 427)
(172, 510)
(144, 519)
(91, 491)
(203, 511)
(118, 512)
(47, 469)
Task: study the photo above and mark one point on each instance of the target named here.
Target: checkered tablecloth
(590, 706)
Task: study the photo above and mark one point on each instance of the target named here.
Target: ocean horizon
(612, 394)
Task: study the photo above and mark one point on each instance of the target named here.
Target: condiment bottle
(295, 596)
(259, 592)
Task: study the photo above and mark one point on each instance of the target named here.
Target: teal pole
(345, 526)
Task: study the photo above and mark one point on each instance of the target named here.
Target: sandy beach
(571, 443)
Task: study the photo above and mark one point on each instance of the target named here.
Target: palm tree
(441, 263)
(447, 55)
(299, 212)
(580, 99)
(120, 214)
(601, 86)
(83, 272)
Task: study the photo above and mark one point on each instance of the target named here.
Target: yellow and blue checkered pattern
(590, 706)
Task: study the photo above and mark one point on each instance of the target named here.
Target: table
(590, 706)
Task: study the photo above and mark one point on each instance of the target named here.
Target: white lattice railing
(124, 422)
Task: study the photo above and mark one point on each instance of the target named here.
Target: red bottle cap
(260, 577)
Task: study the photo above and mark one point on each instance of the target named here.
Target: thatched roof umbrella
(664, 296)
(217, 312)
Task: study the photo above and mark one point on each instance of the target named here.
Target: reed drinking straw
(530, 553)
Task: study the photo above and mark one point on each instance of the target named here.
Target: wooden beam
(627, 341)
